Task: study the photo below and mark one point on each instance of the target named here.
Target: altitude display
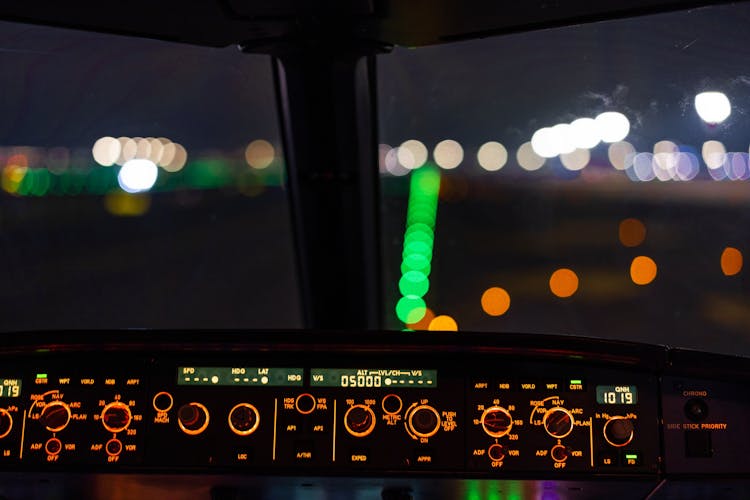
(616, 394)
(239, 375)
(372, 377)
(10, 387)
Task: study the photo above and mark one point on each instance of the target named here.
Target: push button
(304, 451)
(607, 458)
(631, 458)
(424, 456)
(359, 456)
(698, 444)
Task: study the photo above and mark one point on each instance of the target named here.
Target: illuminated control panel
(478, 411)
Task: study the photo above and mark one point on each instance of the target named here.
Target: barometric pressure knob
(618, 431)
(359, 420)
(244, 419)
(55, 416)
(558, 422)
(424, 421)
(116, 416)
(496, 421)
(6, 423)
(192, 418)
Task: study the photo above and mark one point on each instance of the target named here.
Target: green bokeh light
(414, 283)
(410, 309)
(416, 262)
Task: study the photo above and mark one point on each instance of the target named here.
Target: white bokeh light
(543, 143)
(576, 160)
(492, 156)
(528, 159)
(621, 155)
(714, 153)
(137, 175)
(612, 126)
(585, 133)
(412, 154)
(713, 107)
(106, 151)
(448, 154)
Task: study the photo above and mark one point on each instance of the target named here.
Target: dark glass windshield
(590, 180)
(142, 186)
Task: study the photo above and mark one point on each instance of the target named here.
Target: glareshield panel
(590, 180)
(142, 186)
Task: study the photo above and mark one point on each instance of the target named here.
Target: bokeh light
(643, 270)
(528, 159)
(128, 150)
(443, 323)
(126, 204)
(621, 155)
(424, 323)
(576, 160)
(137, 175)
(643, 167)
(178, 158)
(632, 232)
(392, 165)
(106, 151)
(495, 301)
(259, 154)
(410, 309)
(563, 283)
(412, 154)
(492, 156)
(585, 133)
(448, 154)
(714, 153)
(612, 126)
(713, 107)
(731, 261)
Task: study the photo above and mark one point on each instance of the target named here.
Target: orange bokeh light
(632, 232)
(443, 323)
(495, 301)
(643, 270)
(731, 261)
(563, 283)
(424, 323)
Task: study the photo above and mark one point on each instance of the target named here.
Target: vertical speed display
(372, 377)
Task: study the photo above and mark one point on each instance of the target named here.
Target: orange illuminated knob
(113, 447)
(559, 453)
(6, 423)
(116, 416)
(53, 446)
(192, 418)
(558, 422)
(496, 421)
(55, 416)
(359, 420)
(618, 431)
(305, 403)
(424, 421)
(496, 452)
(244, 419)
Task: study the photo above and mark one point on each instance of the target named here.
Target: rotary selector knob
(192, 418)
(6, 423)
(496, 452)
(116, 417)
(559, 453)
(55, 416)
(305, 403)
(618, 431)
(558, 422)
(496, 421)
(424, 421)
(359, 420)
(244, 419)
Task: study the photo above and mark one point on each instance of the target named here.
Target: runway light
(495, 301)
(137, 175)
(492, 156)
(612, 126)
(731, 261)
(448, 154)
(643, 270)
(713, 107)
(563, 283)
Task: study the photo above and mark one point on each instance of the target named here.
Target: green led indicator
(631, 456)
(41, 375)
(576, 382)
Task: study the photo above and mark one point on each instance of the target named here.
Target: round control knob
(305, 403)
(559, 453)
(55, 416)
(696, 409)
(113, 447)
(116, 416)
(6, 423)
(424, 421)
(496, 421)
(618, 431)
(392, 404)
(558, 422)
(244, 419)
(53, 446)
(192, 418)
(162, 401)
(359, 420)
(496, 452)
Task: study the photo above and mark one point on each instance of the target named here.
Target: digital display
(372, 377)
(10, 387)
(239, 375)
(616, 394)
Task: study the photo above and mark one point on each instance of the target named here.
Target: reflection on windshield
(593, 180)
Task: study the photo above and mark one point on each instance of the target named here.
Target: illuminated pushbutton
(55, 416)
(53, 446)
(305, 403)
(424, 421)
(496, 421)
(113, 447)
(496, 452)
(618, 431)
(116, 417)
(558, 422)
(6, 423)
(162, 401)
(359, 420)
(244, 419)
(192, 418)
(392, 404)
(559, 453)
